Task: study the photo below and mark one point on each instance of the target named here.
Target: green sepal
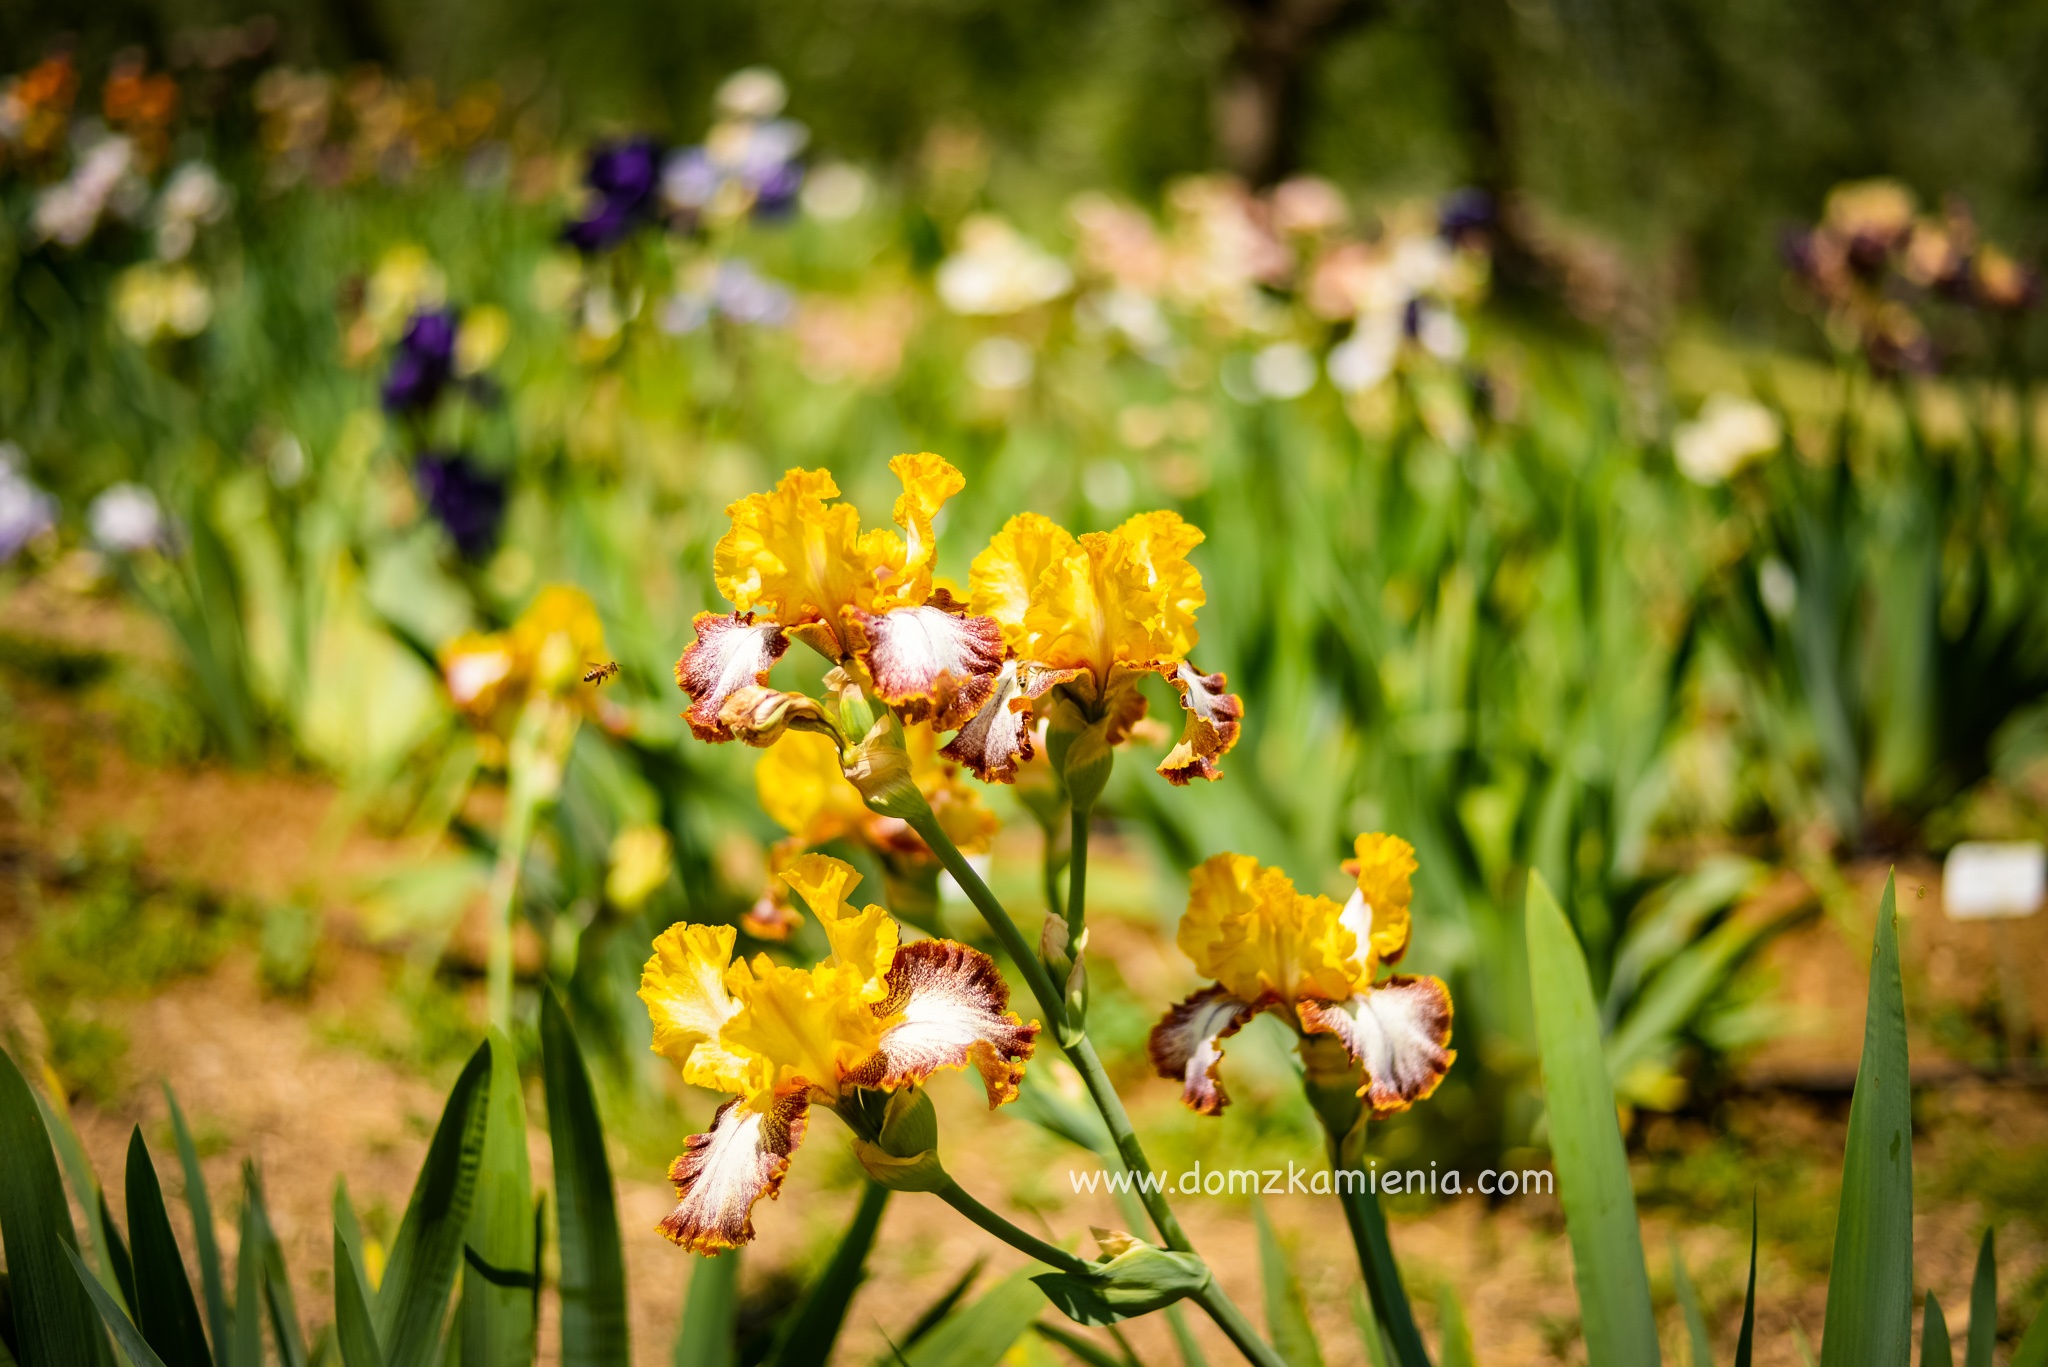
(1080, 752)
(1132, 1278)
(904, 1154)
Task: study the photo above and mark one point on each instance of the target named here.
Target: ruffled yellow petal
(684, 986)
(1005, 578)
(800, 1026)
(1096, 608)
(1247, 928)
(800, 559)
(1160, 541)
(928, 481)
(1126, 597)
(1219, 897)
(864, 939)
(1378, 911)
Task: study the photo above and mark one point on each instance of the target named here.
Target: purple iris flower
(1464, 214)
(776, 192)
(423, 364)
(624, 177)
(690, 179)
(466, 499)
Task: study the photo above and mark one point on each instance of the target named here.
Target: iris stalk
(1332, 1094)
(1081, 1053)
(522, 801)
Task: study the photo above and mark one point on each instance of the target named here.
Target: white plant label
(1987, 880)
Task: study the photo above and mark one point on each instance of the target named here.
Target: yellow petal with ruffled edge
(1247, 928)
(800, 558)
(1378, 911)
(928, 481)
(1160, 541)
(796, 1025)
(1096, 608)
(866, 939)
(1006, 578)
(684, 986)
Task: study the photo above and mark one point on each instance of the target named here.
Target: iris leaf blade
(1585, 1137)
(1870, 1283)
(56, 1322)
(165, 1309)
(593, 1285)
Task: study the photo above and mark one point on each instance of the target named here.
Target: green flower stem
(1081, 1053)
(513, 839)
(1022, 1240)
(533, 775)
(1077, 880)
(1012, 939)
(1330, 1080)
(1235, 1326)
(1383, 1277)
(1054, 905)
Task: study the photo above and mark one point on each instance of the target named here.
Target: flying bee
(598, 673)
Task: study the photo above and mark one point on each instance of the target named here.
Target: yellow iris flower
(547, 650)
(1062, 624)
(1084, 618)
(1314, 962)
(876, 1015)
(797, 566)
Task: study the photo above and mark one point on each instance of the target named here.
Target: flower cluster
(35, 109)
(106, 165)
(154, 302)
(1315, 964)
(732, 290)
(746, 167)
(338, 132)
(747, 164)
(621, 178)
(141, 106)
(877, 1016)
(545, 654)
(1874, 260)
(1056, 624)
(1287, 272)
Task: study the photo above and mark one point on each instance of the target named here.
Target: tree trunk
(1258, 106)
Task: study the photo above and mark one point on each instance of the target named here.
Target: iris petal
(731, 652)
(1399, 1032)
(1185, 1045)
(724, 1172)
